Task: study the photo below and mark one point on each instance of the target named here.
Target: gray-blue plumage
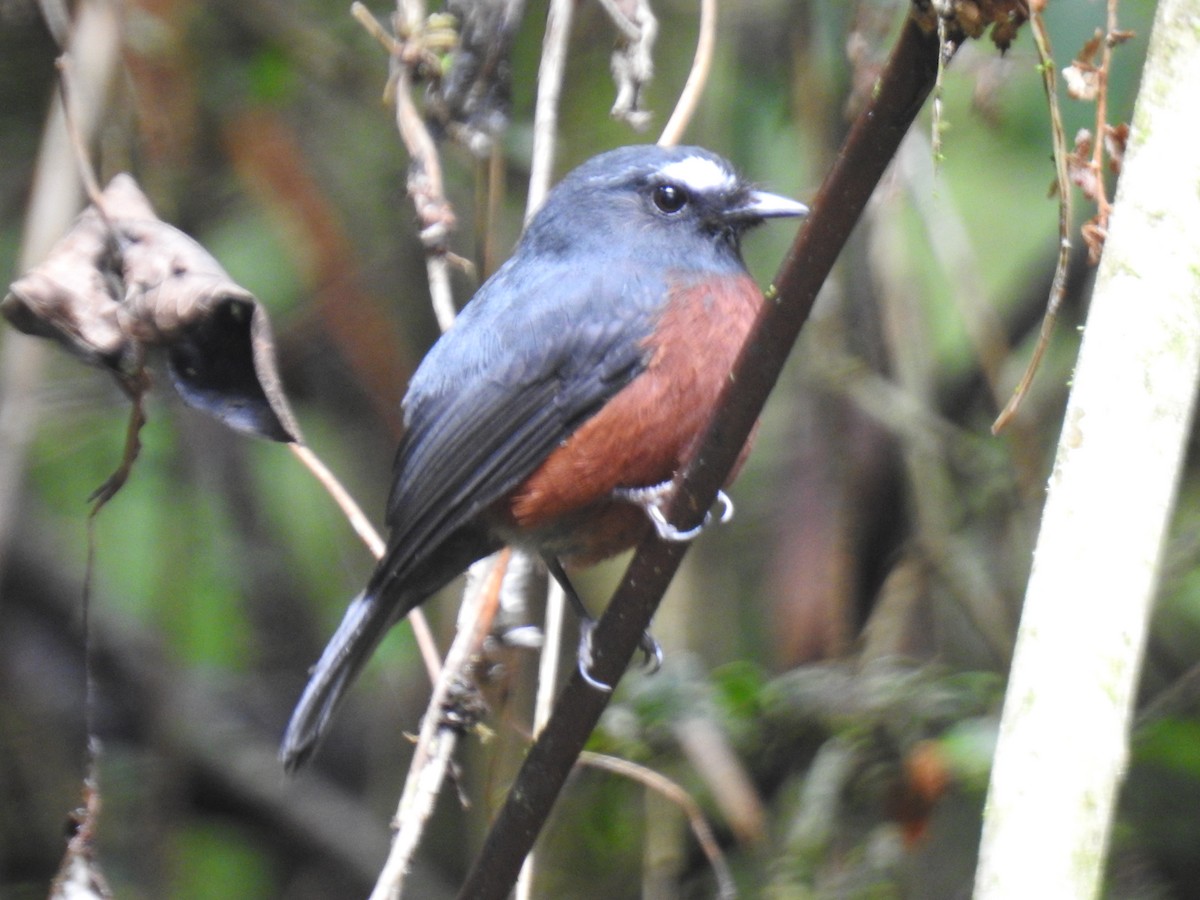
(556, 333)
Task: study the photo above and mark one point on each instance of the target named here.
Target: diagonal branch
(870, 146)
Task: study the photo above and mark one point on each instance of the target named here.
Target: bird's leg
(649, 646)
(652, 499)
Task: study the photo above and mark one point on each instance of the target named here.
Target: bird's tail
(366, 621)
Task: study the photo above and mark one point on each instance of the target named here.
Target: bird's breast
(644, 433)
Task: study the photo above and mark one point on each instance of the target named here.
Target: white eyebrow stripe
(700, 174)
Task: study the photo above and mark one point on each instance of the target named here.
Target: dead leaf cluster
(972, 18)
(471, 97)
(1087, 80)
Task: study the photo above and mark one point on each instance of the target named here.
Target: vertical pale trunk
(1064, 733)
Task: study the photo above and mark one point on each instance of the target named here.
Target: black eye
(669, 198)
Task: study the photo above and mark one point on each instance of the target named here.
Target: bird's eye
(669, 198)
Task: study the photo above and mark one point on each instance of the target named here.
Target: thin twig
(367, 20)
(425, 184)
(629, 30)
(1102, 205)
(689, 97)
(1062, 180)
(350, 509)
(440, 730)
(495, 196)
(87, 174)
(674, 792)
(545, 136)
(545, 116)
(135, 386)
(136, 382)
(368, 535)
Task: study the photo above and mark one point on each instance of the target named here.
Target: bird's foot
(651, 650)
(652, 499)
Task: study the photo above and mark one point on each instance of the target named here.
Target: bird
(556, 410)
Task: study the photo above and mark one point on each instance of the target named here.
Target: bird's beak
(761, 205)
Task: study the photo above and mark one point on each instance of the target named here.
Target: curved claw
(653, 652)
(593, 682)
(726, 504)
(585, 657)
(669, 532)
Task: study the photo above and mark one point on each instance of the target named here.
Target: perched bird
(568, 393)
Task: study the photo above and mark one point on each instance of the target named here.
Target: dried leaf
(74, 297)
(971, 18)
(1083, 83)
(633, 62)
(473, 100)
(1079, 166)
(219, 347)
(1115, 139)
(124, 281)
(217, 361)
(1094, 232)
(1083, 75)
(1089, 54)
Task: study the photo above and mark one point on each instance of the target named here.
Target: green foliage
(1170, 744)
(218, 858)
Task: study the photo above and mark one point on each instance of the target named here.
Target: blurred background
(841, 644)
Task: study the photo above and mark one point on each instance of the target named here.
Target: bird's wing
(529, 361)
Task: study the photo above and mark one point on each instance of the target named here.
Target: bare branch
(369, 536)
(689, 97)
(1062, 181)
(663, 785)
(451, 713)
(545, 116)
(87, 174)
(425, 185)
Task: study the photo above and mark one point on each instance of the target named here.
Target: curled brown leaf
(1079, 166)
(74, 297)
(1115, 139)
(122, 281)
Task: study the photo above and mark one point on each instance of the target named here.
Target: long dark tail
(366, 621)
(396, 587)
